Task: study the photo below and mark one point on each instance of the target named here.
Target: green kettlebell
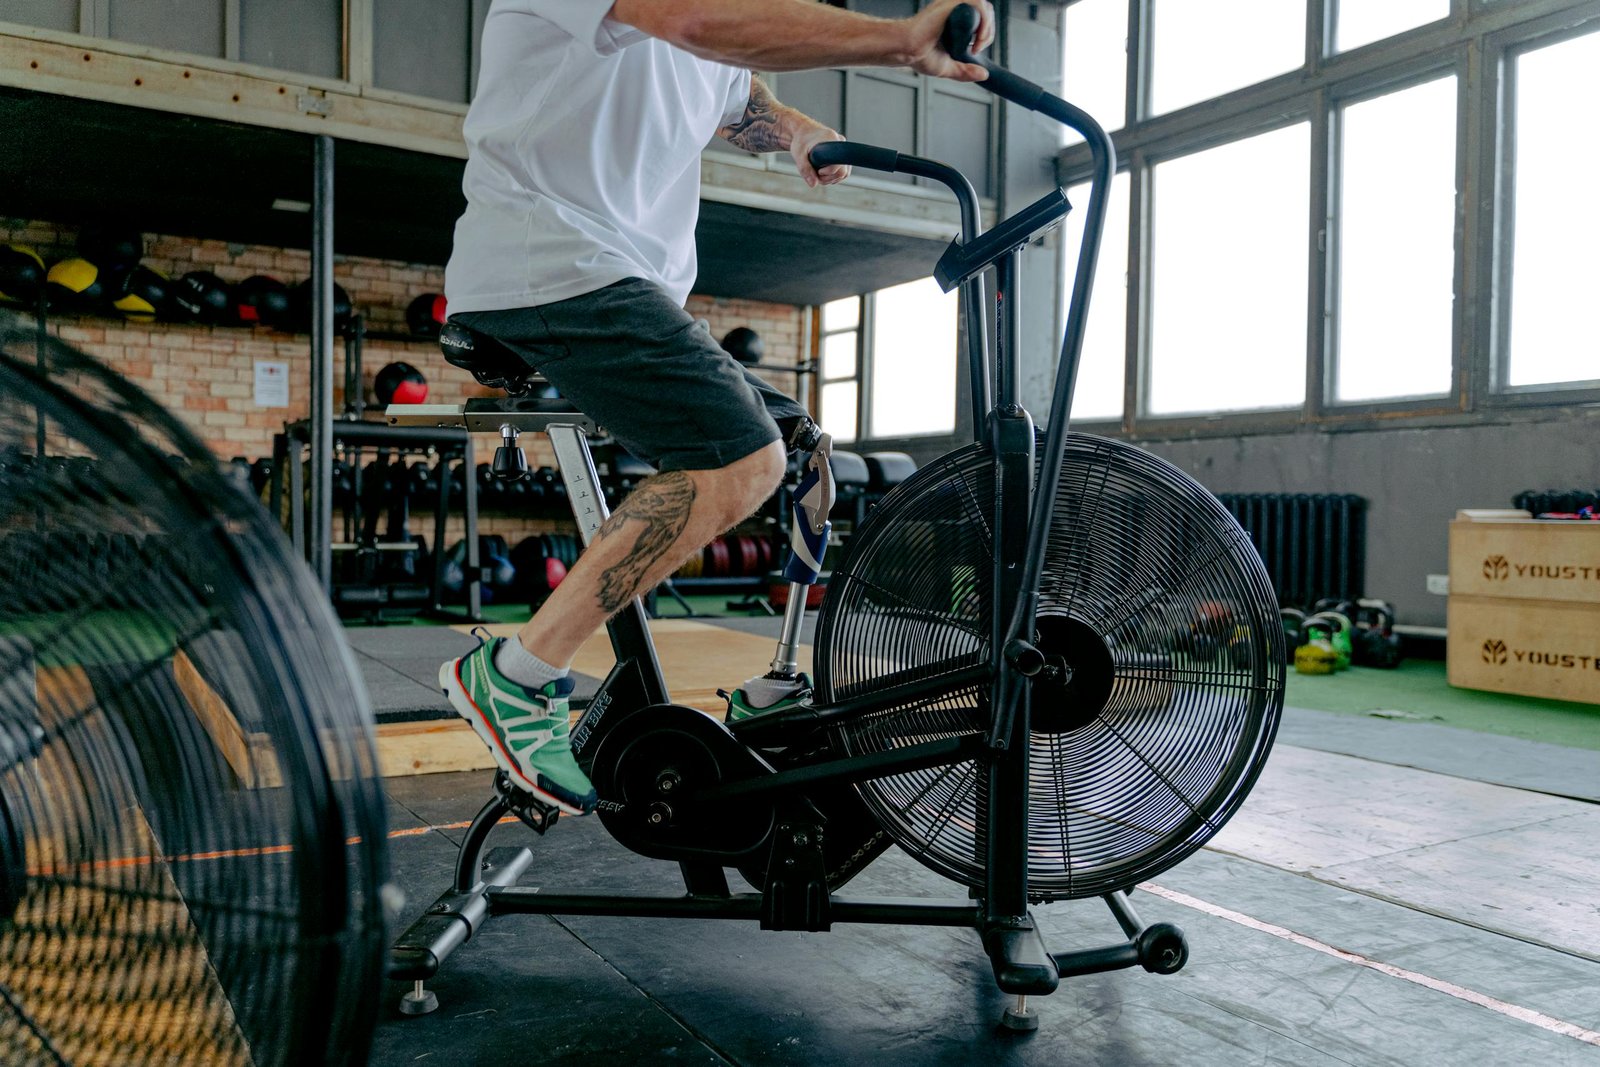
(1339, 625)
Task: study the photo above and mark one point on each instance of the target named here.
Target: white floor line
(1472, 996)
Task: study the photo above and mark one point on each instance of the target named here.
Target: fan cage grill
(191, 829)
(1147, 560)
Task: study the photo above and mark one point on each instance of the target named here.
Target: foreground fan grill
(1151, 594)
(191, 832)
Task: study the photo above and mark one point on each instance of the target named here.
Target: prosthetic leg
(784, 684)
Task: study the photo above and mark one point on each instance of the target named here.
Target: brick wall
(205, 374)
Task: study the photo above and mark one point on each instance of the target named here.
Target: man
(577, 252)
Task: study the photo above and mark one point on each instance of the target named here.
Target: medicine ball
(141, 294)
(426, 315)
(115, 249)
(299, 315)
(22, 272)
(744, 345)
(400, 383)
(262, 300)
(201, 296)
(75, 283)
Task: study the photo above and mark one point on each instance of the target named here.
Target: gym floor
(1397, 890)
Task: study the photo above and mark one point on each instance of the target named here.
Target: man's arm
(768, 126)
(780, 35)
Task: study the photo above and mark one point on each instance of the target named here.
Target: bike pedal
(534, 812)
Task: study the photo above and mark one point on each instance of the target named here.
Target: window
(1229, 276)
(912, 373)
(1201, 50)
(840, 372)
(1094, 60)
(1554, 272)
(1396, 246)
(1361, 22)
(1103, 365)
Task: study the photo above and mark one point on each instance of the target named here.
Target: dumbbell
(495, 557)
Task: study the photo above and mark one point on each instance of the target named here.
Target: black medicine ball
(22, 272)
(139, 293)
(201, 296)
(263, 300)
(744, 345)
(427, 314)
(400, 383)
(299, 315)
(113, 248)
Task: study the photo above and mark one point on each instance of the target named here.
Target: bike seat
(489, 361)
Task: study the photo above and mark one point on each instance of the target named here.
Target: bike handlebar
(959, 29)
(852, 154)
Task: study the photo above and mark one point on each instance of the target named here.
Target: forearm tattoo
(760, 130)
(659, 510)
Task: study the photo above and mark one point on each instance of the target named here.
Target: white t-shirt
(585, 141)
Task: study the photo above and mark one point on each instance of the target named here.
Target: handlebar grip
(851, 154)
(959, 29)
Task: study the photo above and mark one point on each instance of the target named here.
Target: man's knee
(741, 486)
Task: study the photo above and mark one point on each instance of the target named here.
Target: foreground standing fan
(1153, 598)
(191, 831)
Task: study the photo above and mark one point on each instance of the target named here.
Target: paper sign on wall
(272, 384)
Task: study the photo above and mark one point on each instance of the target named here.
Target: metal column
(321, 428)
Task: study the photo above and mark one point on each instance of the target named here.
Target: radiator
(1314, 545)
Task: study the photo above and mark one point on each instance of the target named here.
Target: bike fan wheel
(1151, 594)
(192, 863)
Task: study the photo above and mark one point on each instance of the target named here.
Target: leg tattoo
(659, 509)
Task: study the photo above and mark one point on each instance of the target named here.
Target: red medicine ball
(400, 383)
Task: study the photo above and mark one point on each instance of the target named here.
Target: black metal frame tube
(532, 900)
(322, 364)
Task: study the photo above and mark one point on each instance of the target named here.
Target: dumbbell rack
(450, 445)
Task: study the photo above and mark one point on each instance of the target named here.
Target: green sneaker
(526, 730)
(762, 696)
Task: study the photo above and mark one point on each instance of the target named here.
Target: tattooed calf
(659, 510)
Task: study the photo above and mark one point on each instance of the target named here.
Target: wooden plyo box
(1541, 648)
(1524, 613)
(1494, 554)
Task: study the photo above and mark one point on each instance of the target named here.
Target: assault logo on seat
(1496, 569)
(1494, 652)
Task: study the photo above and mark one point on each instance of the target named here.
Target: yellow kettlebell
(1317, 656)
(1338, 637)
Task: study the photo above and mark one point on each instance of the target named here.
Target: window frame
(1476, 43)
(820, 338)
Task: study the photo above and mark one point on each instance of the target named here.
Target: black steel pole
(321, 428)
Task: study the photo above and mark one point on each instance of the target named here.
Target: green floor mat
(1418, 691)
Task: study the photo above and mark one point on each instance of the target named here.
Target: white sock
(523, 667)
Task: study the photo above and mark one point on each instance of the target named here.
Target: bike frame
(1024, 507)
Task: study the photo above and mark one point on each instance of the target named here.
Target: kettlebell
(1339, 636)
(1294, 631)
(1376, 643)
(1316, 656)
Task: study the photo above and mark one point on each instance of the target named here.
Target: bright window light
(1554, 271)
(1201, 49)
(1397, 244)
(913, 364)
(839, 410)
(1094, 60)
(1364, 21)
(842, 314)
(1102, 367)
(1229, 276)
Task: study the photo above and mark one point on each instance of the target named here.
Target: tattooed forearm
(659, 510)
(762, 129)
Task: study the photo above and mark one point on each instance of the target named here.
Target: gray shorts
(634, 361)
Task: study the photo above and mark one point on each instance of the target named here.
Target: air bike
(1048, 667)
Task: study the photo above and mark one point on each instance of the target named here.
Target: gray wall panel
(423, 47)
(1414, 482)
(48, 14)
(194, 26)
(299, 35)
(882, 112)
(958, 134)
(818, 93)
(885, 9)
